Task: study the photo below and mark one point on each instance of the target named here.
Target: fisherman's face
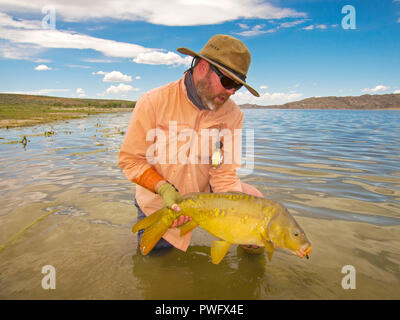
(210, 90)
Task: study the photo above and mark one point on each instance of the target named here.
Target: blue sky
(119, 50)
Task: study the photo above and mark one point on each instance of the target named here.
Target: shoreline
(55, 114)
(79, 113)
(329, 109)
(20, 110)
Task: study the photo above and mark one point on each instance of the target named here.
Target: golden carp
(236, 218)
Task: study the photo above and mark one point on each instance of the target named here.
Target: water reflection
(173, 274)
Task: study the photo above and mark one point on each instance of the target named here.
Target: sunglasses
(226, 82)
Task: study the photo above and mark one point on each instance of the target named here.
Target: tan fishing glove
(169, 194)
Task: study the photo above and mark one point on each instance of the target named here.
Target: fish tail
(155, 225)
(148, 221)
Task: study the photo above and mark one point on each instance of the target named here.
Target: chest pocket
(209, 137)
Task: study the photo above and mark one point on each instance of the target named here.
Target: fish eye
(296, 233)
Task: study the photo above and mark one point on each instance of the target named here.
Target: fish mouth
(304, 251)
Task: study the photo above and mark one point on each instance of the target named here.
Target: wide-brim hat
(229, 55)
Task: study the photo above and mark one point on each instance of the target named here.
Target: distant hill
(367, 101)
(24, 99)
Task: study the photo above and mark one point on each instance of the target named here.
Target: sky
(107, 49)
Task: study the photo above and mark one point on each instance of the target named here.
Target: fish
(234, 218)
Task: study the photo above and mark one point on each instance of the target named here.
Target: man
(155, 154)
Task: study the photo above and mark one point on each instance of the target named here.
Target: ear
(203, 66)
(200, 71)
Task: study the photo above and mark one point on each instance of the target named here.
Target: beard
(208, 99)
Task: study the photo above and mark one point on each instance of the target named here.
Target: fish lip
(299, 253)
(302, 252)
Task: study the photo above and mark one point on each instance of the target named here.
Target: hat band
(239, 75)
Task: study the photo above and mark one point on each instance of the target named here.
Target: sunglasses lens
(228, 83)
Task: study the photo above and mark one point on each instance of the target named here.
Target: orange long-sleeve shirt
(165, 131)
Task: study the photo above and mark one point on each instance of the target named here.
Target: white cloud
(116, 76)
(255, 31)
(6, 20)
(319, 26)
(120, 89)
(39, 60)
(243, 26)
(263, 87)
(24, 34)
(113, 76)
(169, 58)
(42, 67)
(396, 91)
(31, 33)
(98, 60)
(291, 23)
(138, 78)
(378, 88)
(21, 51)
(49, 38)
(171, 13)
(80, 92)
(78, 66)
(41, 91)
(258, 29)
(266, 98)
(99, 72)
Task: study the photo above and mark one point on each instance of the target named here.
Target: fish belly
(233, 230)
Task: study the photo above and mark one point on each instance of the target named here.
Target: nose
(231, 91)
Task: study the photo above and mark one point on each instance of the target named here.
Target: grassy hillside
(366, 101)
(23, 110)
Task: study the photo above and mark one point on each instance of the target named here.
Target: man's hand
(170, 198)
(181, 220)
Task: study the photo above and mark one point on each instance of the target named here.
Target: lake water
(66, 203)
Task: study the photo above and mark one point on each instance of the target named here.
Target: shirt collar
(191, 91)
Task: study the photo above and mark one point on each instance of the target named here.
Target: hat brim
(189, 52)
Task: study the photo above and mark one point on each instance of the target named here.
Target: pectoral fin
(187, 227)
(218, 251)
(269, 247)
